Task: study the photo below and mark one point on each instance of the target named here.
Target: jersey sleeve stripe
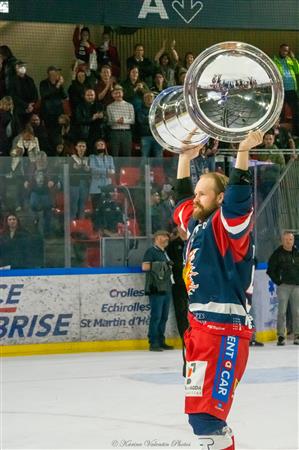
(236, 229)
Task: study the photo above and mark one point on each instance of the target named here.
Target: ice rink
(136, 399)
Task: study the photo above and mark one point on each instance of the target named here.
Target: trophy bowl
(230, 89)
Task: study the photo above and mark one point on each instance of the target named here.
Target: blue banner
(249, 14)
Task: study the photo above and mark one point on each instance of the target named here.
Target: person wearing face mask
(23, 92)
(102, 169)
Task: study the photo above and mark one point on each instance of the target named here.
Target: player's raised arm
(253, 139)
(185, 157)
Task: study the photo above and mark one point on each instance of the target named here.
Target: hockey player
(218, 273)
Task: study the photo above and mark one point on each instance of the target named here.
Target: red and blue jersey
(219, 262)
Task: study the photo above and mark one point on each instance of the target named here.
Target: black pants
(180, 303)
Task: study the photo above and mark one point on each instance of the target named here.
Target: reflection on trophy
(230, 89)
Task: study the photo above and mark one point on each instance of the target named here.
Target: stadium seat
(129, 176)
(82, 231)
(159, 175)
(86, 240)
(93, 257)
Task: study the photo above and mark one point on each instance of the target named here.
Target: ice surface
(136, 400)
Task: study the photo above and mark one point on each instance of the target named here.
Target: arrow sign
(187, 9)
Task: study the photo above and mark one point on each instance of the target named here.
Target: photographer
(158, 268)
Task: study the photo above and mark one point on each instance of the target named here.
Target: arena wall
(59, 311)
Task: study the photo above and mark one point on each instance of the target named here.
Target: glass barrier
(56, 212)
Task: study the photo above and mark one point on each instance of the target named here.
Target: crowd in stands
(97, 118)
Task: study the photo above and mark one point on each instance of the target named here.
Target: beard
(201, 213)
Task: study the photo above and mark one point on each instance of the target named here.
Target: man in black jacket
(23, 92)
(157, 265)
(52, 95)
(283, 269)
(90, 119)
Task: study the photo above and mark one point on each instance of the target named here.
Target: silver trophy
(230, 89)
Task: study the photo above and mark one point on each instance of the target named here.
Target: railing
(65, 224)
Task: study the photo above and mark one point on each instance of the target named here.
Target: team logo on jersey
(189, 273)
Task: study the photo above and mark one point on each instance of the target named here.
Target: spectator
(40, 187)
(159, 83)
(90, 119)
(9, 125)
(23, 92)
(108, 55)
(79, 180)
(181, 75)
(168, 205)
(27, 142)
(284, 139)
(188, 60)
(120, 118)
(175, 251)
(52, 96)
(159, 216)
(198, 166)
(166, 63)
(40, 133)
(66, 132)
(84, 48)
(283, 269)
(288, 67)
(158, 268)
(149, 145)
(269, 174)
(7, 64)
(102, 169)
(145, 65)
(112, 214)
(14, 244)
(105, 86)
(211, 151)
(134, 88)
(79, 85)
(14, 181)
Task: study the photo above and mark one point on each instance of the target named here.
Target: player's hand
(189, 151)
(253, 139)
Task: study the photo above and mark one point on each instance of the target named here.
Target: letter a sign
(153, 7)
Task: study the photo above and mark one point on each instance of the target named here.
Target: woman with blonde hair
(8, 125)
